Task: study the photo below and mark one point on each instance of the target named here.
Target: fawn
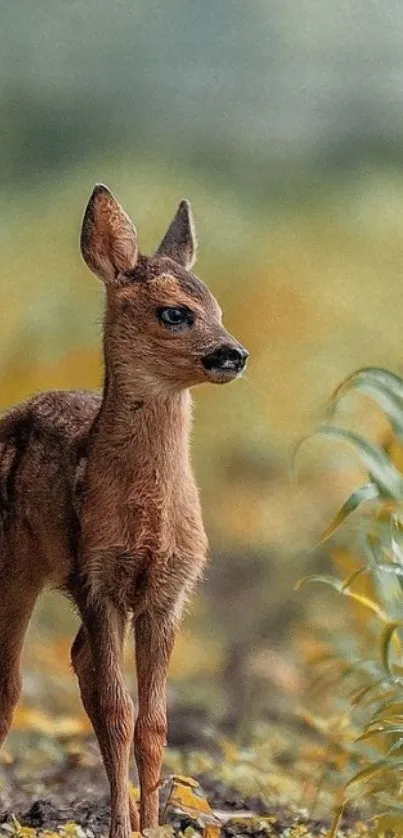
(97, 496)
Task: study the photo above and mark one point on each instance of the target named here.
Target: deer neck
(145, 433)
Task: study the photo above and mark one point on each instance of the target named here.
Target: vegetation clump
(361, 669)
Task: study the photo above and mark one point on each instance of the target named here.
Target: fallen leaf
(187, 796)
(211, 831)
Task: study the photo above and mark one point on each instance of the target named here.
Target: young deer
(97, 496)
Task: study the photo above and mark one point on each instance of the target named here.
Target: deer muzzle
(225, 362)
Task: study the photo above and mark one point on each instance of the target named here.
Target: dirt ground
(79, 795)
(45, 786)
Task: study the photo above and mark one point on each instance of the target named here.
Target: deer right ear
(179, 242)
(108, 238)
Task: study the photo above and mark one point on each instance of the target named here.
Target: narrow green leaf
(386, 684)
(363, 692)
(369, 491)
(379, 466)
(386, 722)
(386, 706)
(396, 548)
(367, 602)
(390, 404)
(325, 580)
(388, 587)
(377, 731)
(387, 636)
(391, 567)
(395, 747)
(371, 771)
(389, 381)
(339, 586)
(353, 576)
(337, 820)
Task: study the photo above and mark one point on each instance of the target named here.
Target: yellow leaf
(212, 831)
(73, 830)
(186, 795)
(31, 719)
(230, 751)
(188, 800)
(389, 824)
(185, 781)
(134, 792)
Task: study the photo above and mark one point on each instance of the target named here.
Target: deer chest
(152, 561)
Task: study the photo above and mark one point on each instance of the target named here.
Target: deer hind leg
(16, 605)
(82, 663)
(96, 658)
(154, 643)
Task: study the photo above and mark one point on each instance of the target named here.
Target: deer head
(163, 327)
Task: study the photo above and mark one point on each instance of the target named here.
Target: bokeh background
(282, 122)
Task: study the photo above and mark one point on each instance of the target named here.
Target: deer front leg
(155, 636)
(111, 708)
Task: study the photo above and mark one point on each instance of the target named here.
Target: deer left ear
(108, 238)
(179, 243)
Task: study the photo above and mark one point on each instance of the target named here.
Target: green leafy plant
(370, 658)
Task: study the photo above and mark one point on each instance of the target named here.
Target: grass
(365, 690)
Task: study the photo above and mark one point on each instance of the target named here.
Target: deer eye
(176, 316)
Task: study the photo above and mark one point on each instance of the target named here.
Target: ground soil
(70, 786)
(79, 794)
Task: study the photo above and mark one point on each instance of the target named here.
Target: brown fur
(97, 497)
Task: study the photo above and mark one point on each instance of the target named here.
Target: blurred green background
(283, 124)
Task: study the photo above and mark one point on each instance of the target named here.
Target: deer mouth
(221, 376)
(225, 363)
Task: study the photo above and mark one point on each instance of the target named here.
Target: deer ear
(108, 238)
(179, 243)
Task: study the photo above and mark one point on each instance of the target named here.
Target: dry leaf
(187, 796)
(212, 831)
(158, 832)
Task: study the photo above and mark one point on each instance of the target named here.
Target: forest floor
(56, 786)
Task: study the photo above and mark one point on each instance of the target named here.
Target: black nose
(226, 358)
